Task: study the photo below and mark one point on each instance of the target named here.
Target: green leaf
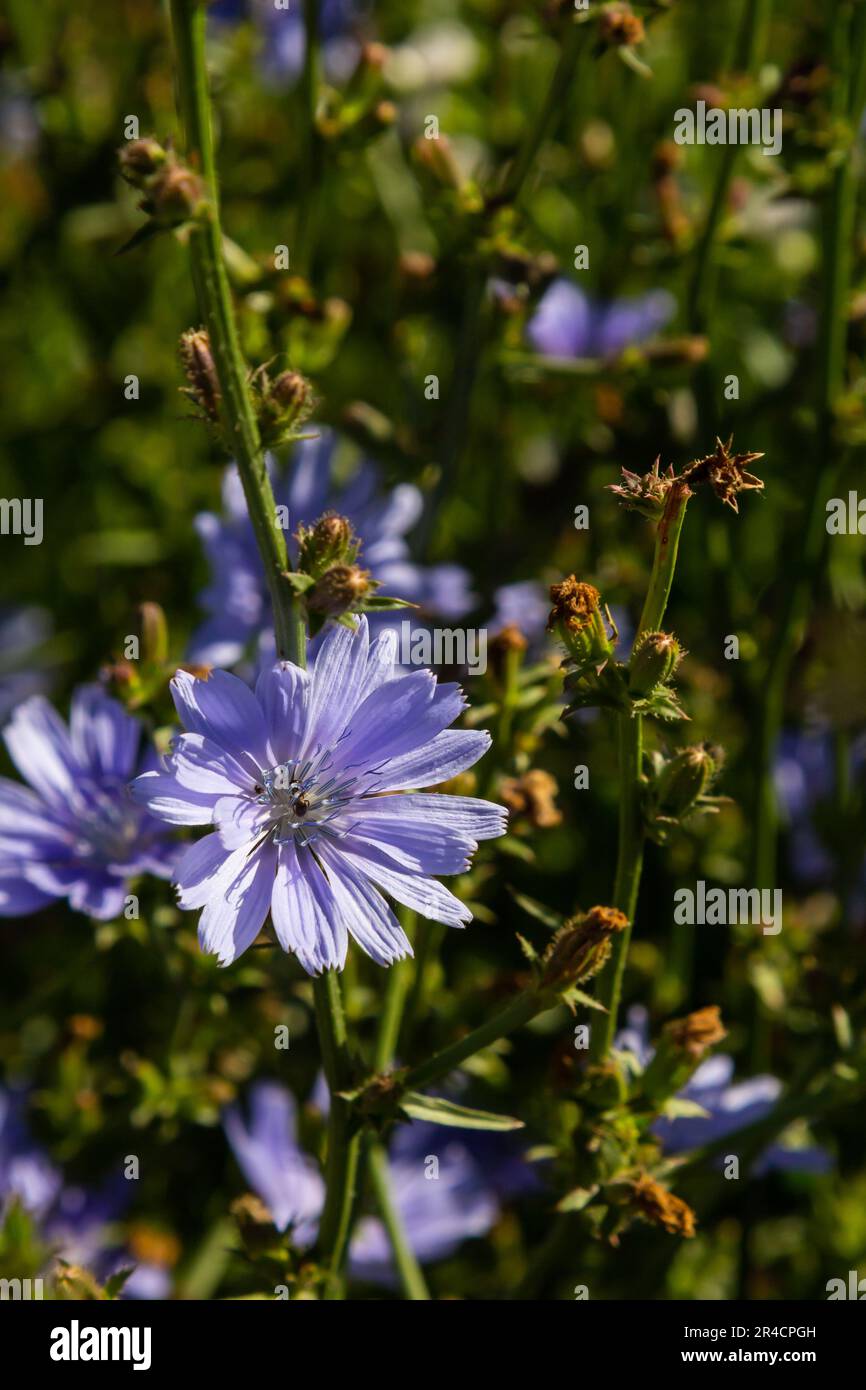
(533, 908)
(577, 1198)
(438, 1111)
(300, 582)
(381, 602)
(115, 1282)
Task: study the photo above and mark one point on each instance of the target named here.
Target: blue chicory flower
(440, 1204)
(237, 598)
(307, 783)
(567, 323)
(730, 1106)
(77, 834)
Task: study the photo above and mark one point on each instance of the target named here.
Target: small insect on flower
(310, 784)
(77, 834)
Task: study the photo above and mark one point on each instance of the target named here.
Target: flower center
(303, 798)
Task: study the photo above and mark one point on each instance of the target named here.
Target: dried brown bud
(575, 604)
(725, 473)
(201, 373)
(697, 1032)
(662, 1208)
(619, 25)
(644, 492)
(339, 590)
(532, 796)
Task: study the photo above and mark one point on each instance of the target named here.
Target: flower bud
(580, 948)
(175, 195)
(340, 590)
(198, 364)
(684, 778)
(139, 160)
(654, 660)
(281, 402)
(331, 541)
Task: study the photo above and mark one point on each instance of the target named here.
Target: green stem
(215, 306)
(211, 281)
(702, 288)
(514, 1015)
(408, 1268)
(630, 841)
(629, 863)
(343, 1137)
(396, 991)
(557, 92)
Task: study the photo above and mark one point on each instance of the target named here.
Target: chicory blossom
(437, 1213)
(75, 832)
(730, 1106)
(567, 323)
(237, 598)
(311, 786)
(284, 35)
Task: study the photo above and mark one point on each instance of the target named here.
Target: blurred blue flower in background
(440, 1204)
(567, 323)
(23, 631)
(805, 776)
(72, 1220)
(77, 834)
(730, 1106)
(284, 34)
(237, 598)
